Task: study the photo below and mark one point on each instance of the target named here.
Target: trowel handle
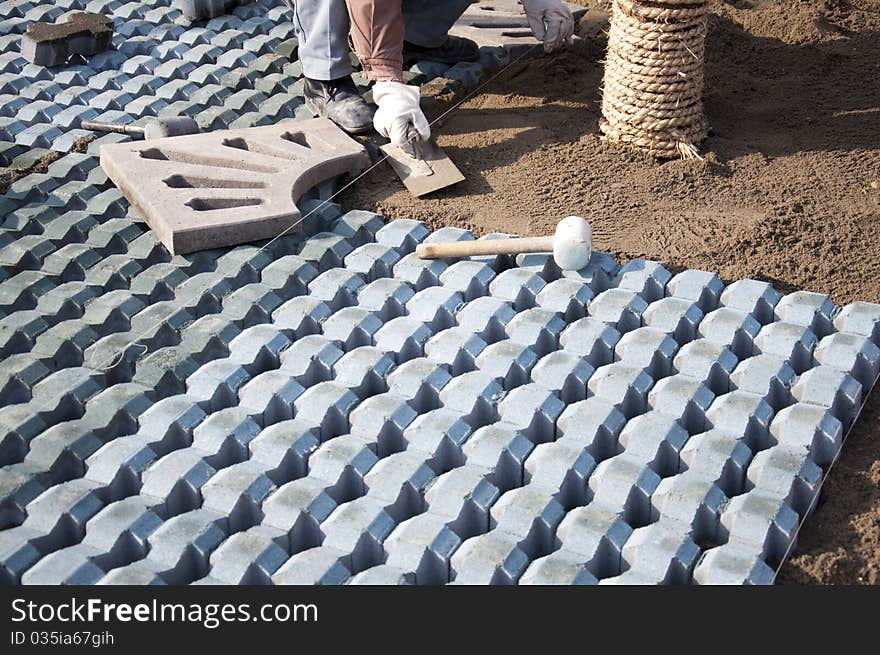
(484, 247)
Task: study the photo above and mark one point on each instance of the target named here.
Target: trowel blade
(433, 171)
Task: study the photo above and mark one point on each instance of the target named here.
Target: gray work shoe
(453, 50)
(339, 101)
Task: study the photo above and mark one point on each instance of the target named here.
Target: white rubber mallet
(571, 245)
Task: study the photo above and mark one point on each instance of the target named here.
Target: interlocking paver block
(471, 278)
(762, 520)
(423, 546)
(403, 235)
(656, 439)
(321, 565)
(563, 468)
(707, 361)
(733, 563)
(486, 317)
(700, 287)
(249, 557)
(860, 318)
(502, 449)
(624, 385)
(420, 380)
(352, 327)
(364, 370)
(81, 33)
(792, 342)
(649, 348)
(677, 317)
(853, 353)
(753, 297)
(597, 536)
(645, 277)
(831, 388)
(537, 328)
(222, 188)
(811, 310)
(746, 414)
(624, 485)
(508, 362)
(732, 328)
(455, 347)
(418, 272)
(327, 405)
(592, 339)
(661, 553)
(298, 508)
(439, 434)
(564, 373)
(403, 338)
(684, 398)
(237, 492)
(769, 376)
(475, 394)
(787, 473)
(565, 296)
(383, 418)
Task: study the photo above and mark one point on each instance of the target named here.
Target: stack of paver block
(329, 408)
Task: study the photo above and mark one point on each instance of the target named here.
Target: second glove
(399, 114)
(551, 22)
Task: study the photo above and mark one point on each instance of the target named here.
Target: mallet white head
(572, 243)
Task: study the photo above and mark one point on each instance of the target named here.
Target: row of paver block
(233, 71)
(333, 409)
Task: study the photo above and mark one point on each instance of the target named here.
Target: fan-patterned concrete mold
(223, 188)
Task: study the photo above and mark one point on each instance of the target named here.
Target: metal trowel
(423, 166)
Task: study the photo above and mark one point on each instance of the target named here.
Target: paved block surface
(330, 409)
(222, 188)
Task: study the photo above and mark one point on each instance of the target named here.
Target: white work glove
(399, 116)
(551, 22)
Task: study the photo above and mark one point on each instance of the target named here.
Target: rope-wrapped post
(652, 98)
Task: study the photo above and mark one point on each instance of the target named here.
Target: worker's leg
(322, 29)
(427, 24)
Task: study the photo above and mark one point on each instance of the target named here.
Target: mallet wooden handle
(484, 247)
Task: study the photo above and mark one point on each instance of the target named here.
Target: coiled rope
(652, 96)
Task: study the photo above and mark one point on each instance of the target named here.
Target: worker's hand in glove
(399, 116)
(551, 22)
